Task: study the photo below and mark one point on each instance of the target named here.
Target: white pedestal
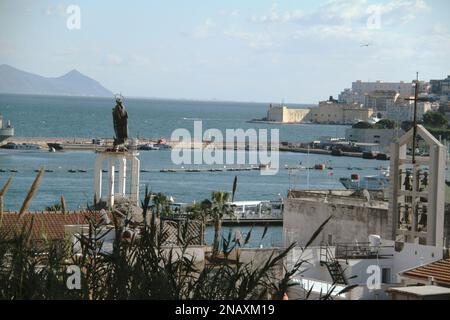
(120, 160)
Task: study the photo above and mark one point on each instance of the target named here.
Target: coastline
(85, 144)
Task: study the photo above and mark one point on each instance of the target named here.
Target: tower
(417, 197)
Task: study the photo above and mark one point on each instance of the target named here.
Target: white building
(383, 137)
(404, 111)
(360, 89)
(372, 267)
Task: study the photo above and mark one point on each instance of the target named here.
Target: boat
(148, 146)
(245, 212)
(23, 146)
(319, 166)
(72, 171)
(383, 156)
(370, 183)
(369, 155)
(162, 144)
(337, 152)
(55, 145)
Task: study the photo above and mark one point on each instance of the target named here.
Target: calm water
(41, 116)
(91, 117)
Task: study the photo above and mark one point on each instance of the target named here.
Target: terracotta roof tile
(440, 270)
(50, 224)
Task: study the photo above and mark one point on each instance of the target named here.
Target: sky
(253, 50)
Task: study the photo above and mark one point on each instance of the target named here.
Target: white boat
(370, 183)
(259, 210)
(148, 146)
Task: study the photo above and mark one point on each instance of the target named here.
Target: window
(386, 275)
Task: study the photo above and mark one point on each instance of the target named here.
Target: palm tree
(215, 210)
(161, 204)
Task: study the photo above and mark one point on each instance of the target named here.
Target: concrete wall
(447, 225)
(355, 114)
(339, 113)
(383, 137)
(354, 219)
(328, 113)
(287, 115)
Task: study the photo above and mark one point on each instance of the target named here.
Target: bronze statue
(120, 121)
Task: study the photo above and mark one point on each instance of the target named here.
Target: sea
(88, 117)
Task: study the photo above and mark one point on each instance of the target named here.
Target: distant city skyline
(263, 51)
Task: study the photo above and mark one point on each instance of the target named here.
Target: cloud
(276, 17)
(56, 10)
(203, 30)
(253, 39)
(229, 13)
(113, 59)
(347, 12)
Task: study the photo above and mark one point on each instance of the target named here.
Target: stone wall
(354, 219)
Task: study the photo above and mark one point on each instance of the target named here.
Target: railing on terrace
(362, 250)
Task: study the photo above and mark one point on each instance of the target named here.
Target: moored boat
(370, 183)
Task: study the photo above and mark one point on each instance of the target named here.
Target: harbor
(202, 154)
(154, 144)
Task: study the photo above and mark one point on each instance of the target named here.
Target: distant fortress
(328, 112)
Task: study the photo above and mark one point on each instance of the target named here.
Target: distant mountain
(73, 83)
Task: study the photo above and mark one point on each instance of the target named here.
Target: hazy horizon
(253, 51)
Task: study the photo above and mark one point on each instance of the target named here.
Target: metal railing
(362, 251)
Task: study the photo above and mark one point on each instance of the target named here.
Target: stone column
(135, 169)
(122, 176)
(98, 177)
(111, 183)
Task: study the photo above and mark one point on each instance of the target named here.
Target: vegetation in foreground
(140, 265)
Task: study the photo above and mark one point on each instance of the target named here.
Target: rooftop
(439, 270)
(344, 197)
(48, 224)
(421, 291)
